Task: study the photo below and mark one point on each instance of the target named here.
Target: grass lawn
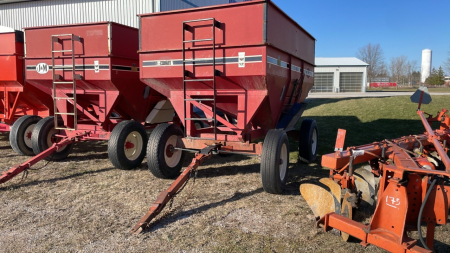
(368, 119)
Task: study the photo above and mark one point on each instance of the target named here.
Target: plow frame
(404, 187)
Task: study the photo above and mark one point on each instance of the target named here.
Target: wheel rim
(133, 145)
(27, 135)
(52, 139)
(171, 155)
(314, 142)
(283, 161)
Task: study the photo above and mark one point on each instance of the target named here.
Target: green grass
(368, 119)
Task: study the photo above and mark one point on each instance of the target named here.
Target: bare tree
(383, 71)
(447, 63)
(372, 55)
(410, 67)
(397, 68)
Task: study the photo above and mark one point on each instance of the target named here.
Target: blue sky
(401, 27)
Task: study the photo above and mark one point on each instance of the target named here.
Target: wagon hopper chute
(235, 74)
(21, 105)
(92, 73)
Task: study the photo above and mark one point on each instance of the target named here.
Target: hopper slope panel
(240, 25)
(11, 71)
(139, 99)
(11, 43)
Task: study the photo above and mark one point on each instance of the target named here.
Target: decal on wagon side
(241, 59)
(42, 68)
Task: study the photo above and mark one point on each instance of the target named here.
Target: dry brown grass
(84, 205)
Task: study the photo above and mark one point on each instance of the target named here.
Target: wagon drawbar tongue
(165, 196)
(19, 168)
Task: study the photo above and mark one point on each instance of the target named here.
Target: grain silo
(426, 65)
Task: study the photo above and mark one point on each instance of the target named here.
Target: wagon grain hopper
(21, 105)
(406, 185)
(235, 74)
(91, 72)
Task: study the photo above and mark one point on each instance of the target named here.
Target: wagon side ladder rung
(187, 103)
(73, 99)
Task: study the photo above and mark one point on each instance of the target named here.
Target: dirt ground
(83, 204)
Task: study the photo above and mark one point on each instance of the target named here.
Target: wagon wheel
(163, 160)
(126, 145)
(43, 137)
(275, 161)
(20, 134)
(308, 142)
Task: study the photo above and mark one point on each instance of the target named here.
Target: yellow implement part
(347, 212)
(320, 200)
(334, 187)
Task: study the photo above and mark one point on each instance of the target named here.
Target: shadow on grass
(52, 180)
(361, 133)
(79, 157)
(438, 246)
(226, 170)
(185, 214)
(302, 173)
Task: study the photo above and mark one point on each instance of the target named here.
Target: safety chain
(26, 171)
(171, 209)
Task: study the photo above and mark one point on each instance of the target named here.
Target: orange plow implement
(405, 186)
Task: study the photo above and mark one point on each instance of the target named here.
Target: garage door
(350, 82)
(323, 82)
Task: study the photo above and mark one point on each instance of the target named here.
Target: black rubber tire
(17, 134)
(39, 139)
(156, 152)
(117, 142)
(305, 143)
(272, 180)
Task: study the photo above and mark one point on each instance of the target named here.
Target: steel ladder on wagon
(57, 91)
(188, 98)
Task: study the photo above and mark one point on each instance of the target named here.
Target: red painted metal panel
(10, 71)
(288, 36)
(242, 25)
(17, 99)
(273, 77)
(94, 40)
(109, 81)
(9, 45)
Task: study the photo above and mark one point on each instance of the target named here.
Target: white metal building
(29, 13)
(343, 74)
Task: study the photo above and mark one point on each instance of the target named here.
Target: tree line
(399, 69)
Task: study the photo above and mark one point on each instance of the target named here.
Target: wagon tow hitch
(17, 169)
(165, 196)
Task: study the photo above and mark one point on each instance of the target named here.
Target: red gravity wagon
(234, 74)
(91, 72)
(21, 105)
